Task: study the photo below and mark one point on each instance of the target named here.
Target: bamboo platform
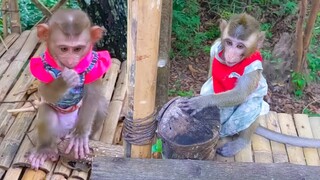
(17, 84)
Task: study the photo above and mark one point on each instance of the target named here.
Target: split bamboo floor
(17, 84)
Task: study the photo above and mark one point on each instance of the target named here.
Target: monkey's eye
(240, 46)
(77, 49)
(64, 49)
(229, 43)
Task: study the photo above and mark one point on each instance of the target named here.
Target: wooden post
(143, 44)
(15, 24)
(164, 49)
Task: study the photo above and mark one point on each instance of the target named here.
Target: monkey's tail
(286, 139)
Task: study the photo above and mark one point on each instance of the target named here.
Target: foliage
(299, 82)
(188, 38)
(1, 26)
(30, 14)
(174, 92)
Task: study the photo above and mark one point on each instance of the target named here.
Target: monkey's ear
(96, 33)
(43, 31)
(223, 25)
(260, 40)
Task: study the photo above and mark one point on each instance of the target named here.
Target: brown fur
(93, 109)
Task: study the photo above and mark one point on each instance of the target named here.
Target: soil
(190, 73)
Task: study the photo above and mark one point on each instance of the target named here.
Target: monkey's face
(69, 50)
(234, 51)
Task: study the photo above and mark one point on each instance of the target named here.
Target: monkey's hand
(80, 145)
(71, 77)
(37, 157)
(192, 105)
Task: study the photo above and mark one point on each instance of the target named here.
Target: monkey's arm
(245, 86)
(53, 91)
(90, 104)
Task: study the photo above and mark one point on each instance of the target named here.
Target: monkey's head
(69, 36)
(240, 37)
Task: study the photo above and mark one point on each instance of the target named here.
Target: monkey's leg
(46, 142)
(244, 138)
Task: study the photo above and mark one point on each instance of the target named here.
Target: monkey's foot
(79, 145)
(37, 158)
(76, 164)
(232, 148)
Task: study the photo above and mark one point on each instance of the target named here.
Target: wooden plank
(109, 83)
(34, 175)
(125, 168)
(62, 170)
(279, 151)
(222, 158)
(111, 78)
(295, 154)
(261, 146)
(315, 126)
(245, 155)
(142, 54)
(79, 175)
(21, 85)
(9, 40)
(14, 137)
(304, 130)
(16, 65)
(115, 107)
(7, 58)
(110, 125)
(2, 172)
(122, 83)
(58, 177)
(118, 134)
(13, 174)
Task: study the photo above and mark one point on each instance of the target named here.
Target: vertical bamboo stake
(143, 44)
(15, 24)
(299, 33)
(5, 17)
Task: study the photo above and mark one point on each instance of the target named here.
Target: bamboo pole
(4, 9)
(143, 44)
(15, 24)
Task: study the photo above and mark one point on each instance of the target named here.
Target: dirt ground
(190, 73)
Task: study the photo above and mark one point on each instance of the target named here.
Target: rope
(140, 131)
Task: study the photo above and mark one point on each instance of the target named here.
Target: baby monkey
(72, 99)
(237, 86)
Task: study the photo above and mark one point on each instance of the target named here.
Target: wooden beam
(143, 44)
(104, 168)
(164, 49)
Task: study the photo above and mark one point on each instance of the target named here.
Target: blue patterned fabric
(75, 94)
(237, 118)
